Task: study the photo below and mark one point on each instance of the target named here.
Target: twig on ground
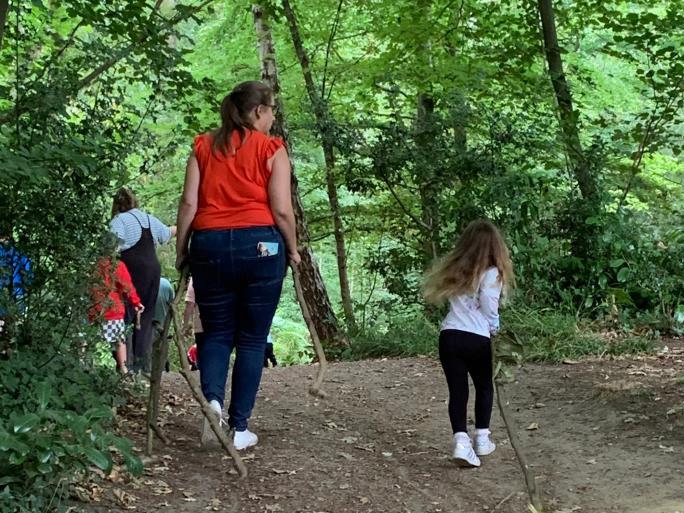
(530, 480)
(502, 501)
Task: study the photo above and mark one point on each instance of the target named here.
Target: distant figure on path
(112, 290)
(139, 233)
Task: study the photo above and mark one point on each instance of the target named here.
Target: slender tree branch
(419, 222)
(333, 32)
(652, 126)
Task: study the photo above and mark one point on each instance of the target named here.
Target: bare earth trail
(380, 443)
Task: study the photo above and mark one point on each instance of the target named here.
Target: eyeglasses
(274, 108)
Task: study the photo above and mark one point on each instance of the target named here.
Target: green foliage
(291, 343)
(407, 337)
(79, 81)
(548, 335)
(441, 112)
(56, 425)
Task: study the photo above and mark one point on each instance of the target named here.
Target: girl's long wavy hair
(479, 247)
(235, 110)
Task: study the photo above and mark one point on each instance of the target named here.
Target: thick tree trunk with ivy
(568, 117)
(327, 133)
(313, 288)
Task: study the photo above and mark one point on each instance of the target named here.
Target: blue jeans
(237, 292)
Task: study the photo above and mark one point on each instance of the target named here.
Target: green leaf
(25, 423)
(44, 468)
(621, 297)
(9, 479)
(9, 442)
(603, 281)
(98, 458)
(134, 465)
(44, 392)
(98, 413)
(623, 274)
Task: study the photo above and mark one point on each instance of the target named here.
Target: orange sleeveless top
(233, 189)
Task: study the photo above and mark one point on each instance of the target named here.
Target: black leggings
(463, 353)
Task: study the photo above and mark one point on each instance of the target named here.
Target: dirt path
(380, 443)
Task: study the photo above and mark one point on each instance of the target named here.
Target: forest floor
(601, 435)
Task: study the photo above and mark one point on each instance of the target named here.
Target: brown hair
(124, 200)
(235, 109)
(479, 247)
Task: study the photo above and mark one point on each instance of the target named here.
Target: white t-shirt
(127, 226)
(479, 312)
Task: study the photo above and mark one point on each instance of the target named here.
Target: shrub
(56, 425)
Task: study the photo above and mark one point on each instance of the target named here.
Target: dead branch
(530, 479)
(209, 413)
(315, 389)
(159, 356)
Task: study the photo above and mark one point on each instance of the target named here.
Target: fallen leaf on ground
(532, 426)
(124, 498)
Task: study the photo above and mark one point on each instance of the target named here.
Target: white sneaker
(244, 439)
(484, 446)
(208, 439)
(463, 452)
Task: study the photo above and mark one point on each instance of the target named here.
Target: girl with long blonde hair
(472, 278)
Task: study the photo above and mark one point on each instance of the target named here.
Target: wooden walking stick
(530, 479)
(207, 410)
(314, 389)
(185, 371)
(160, 351)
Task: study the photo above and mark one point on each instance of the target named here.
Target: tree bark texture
(4, 9)
(313, 287)
(428, 195)
(327, 133)
(568, 117)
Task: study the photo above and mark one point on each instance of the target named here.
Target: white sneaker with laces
(463, 452)
(484, 446)
(208, 439)
(244, 439)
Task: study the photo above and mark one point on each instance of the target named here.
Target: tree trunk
(4, 8)
(568, 118)
(313, 288)
(424, 134)
(325, 128)
(428, 194)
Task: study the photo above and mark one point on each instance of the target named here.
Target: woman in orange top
(236, 203)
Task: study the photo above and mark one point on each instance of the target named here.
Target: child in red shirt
(113, 289)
